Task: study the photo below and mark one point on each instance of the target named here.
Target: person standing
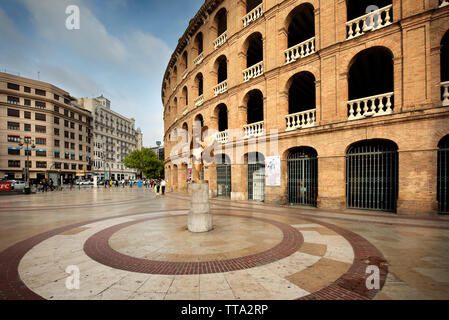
(163, 186)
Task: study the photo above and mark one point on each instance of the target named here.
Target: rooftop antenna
(38, 75)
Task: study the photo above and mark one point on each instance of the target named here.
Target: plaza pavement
(131, 244)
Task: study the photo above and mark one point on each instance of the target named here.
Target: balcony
(369, 22)
(184, 74)
(253, 72)
(301, 120)
(222, 137)
(220, 40)
(199, 101)
(445, 97)
(220, 88)
(373, 106)
(198, 59)
(185, 110)
(444, 3)
(253, 15)
(300, 50)
(255, 129)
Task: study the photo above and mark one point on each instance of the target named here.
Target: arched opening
(254, 53)
(175, 107)
(174, 180)
(372, 175)
(175, 75)
(301, 101)
(256, 176)
(185, 129)
(376, 14)
(185, 96)
(185, 63)
(199, 42)
(371, 83)
(254, 107)
(252, 4)
(301, 24)
(198, 122)
(445, 69)
(443, 176)
(221, 66)
(223, 175)
(199, 83)
(222, 113)
(302, 176)
(221, 21)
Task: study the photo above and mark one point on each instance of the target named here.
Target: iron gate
(224, 180)
(302, 177)
(443, 172)
(256, 181)
(372, 176)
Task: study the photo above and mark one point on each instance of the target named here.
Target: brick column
(417, 182)
(331, 182)
(239, 182)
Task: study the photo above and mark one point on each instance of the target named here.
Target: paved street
(131, 244)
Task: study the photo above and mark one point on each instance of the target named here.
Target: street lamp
(27, 142)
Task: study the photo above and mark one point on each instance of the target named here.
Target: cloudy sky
(121, 50)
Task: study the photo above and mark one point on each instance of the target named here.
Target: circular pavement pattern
(302, 258)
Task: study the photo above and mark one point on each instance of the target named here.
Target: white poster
(273, 171)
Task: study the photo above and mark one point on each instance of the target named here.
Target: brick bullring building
(352, 95)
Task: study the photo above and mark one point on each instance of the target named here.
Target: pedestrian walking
(163, 186)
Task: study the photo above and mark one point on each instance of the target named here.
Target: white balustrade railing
(185, 110)
(175, 87)
(198, 59)
(255, 129)
(184, 74)
(303, 119)
(444, 3)
(369, 22)
(300, 50)
(373, 106)
(222, 137)
(199, 101)
(220, 40)
(445, 96)
(253, 15)
(253, 72)
(220, 88)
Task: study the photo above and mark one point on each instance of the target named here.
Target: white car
(17, 184)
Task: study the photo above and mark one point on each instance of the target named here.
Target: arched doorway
(223, 163)
(256, 176)
(443, 176)
(302, 176)
(372, 175)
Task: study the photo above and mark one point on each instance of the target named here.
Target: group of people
(157, 184)
(47, 184)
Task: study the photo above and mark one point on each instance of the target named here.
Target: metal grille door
(224, 181)
(256, 181)
(443, 173)
(302, 177)
(372, 176)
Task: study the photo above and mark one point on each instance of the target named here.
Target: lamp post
(27, 142)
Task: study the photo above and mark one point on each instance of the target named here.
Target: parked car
(17, 184)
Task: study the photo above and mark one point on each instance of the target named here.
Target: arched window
(199, 83)
(371, 83)
(254, 53)
(199, 42)
(222, 69)
(445, 69)
(301, 101)
(372, 175)
(185, 63)
(252, 4)
(443, 176)
(256, 176)
(223, 175)
(367, 15)
(302, 176)
(222, 117)
(255, 106)
(221, 21)
(185, 95)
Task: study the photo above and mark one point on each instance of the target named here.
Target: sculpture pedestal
(200, 217)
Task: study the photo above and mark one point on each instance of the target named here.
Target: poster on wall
(273, 171)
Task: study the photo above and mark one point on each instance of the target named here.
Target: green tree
(145, 161)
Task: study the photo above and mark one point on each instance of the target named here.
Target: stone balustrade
(255, 129)
(445, 96)
(253, 72)
(220, 40)
(184, 74)
(377, 105)
(199, 101)
(300, 50)
(369, 22)
(253, 15)
(303, 119)
(444, 3)
(222, 137)
(220, 88)
(185, 110)
(198, 59)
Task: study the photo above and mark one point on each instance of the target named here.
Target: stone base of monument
(200, 217)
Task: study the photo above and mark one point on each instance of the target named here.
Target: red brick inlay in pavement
(97, 247)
